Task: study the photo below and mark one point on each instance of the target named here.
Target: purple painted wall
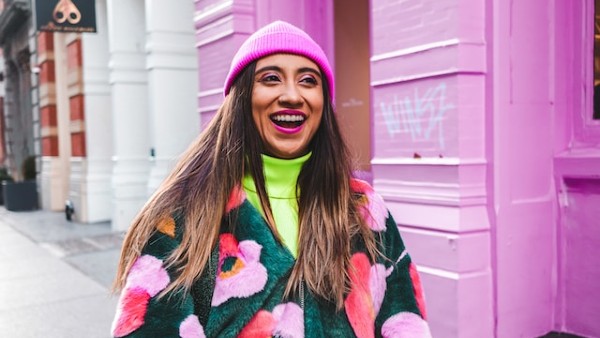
(482, 145)
(577, 173)
(428, 73)
(524, 198)
(579, 241)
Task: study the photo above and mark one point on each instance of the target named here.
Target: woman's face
(287, 103)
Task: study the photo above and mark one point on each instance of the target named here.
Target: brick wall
(76, 97)
(47, 83)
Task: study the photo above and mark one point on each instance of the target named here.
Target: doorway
(352, 63)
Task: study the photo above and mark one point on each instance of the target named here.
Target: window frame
(586, 129)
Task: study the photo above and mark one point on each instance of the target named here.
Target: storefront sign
(77, 16)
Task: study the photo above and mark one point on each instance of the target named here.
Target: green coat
(247, 286)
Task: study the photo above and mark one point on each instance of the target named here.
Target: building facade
(474, 120)
(100, 110)
(19, 121)
(153, 79)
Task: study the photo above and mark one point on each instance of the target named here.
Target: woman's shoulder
(372, 206)
(360, 186)
(166, 236)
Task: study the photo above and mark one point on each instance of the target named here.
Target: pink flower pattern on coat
(418, 289)
(191, 328)
(286, 321)
(374, 211)
(405, 325)
(366, 294)
(236, 198)
(240, 273)
(146, 279)
(378, 284)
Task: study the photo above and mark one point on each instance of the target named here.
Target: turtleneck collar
(281, 176)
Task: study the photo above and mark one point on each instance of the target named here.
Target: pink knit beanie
(279, 37)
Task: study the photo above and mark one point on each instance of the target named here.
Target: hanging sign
(77, 16)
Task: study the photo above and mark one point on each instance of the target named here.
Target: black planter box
(20, 196)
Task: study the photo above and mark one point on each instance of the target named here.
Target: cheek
(318, 105)
(259, 126)
(257, 116)
(256, 119)
(259, 108)
(317, 121)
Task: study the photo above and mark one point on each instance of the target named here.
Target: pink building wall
(428, 79)
(523, 195)
(482, 145)
(546, 170)
(576, 172)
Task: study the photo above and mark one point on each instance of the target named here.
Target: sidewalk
(55, 276)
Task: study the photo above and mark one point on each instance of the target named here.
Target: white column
(90, 175)
(173, 82)
(128, 82)
(54, 176)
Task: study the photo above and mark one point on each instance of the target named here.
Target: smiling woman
(261, 230)
(287, 103)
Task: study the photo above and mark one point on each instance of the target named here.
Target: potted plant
(4, 176)
(22, 195)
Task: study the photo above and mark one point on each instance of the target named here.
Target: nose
(290, 96)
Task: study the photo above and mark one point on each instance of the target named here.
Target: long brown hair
(213, 165)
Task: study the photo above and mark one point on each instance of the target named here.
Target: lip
(288, 131)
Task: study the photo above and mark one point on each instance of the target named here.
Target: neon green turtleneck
(280, 182)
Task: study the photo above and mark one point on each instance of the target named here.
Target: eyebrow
(280, 70)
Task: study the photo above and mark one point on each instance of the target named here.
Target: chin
(287, 154)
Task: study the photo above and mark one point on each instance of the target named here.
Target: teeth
(288, 118)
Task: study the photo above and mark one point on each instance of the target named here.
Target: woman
(261, 230)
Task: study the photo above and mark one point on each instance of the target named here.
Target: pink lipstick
(288, 121)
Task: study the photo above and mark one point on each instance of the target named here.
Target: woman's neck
(281, 176)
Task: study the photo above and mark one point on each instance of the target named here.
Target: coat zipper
(302, 294)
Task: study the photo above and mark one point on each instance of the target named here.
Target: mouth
(288, 121)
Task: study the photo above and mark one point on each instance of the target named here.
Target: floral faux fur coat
(244, 296)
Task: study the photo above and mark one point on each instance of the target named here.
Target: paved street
(55, 276)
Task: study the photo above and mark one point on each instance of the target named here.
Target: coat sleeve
(142, 311)
(402, 312)
(395, 289)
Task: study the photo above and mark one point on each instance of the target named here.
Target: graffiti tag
(420, 116)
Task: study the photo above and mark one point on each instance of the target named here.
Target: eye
(309, 80)
(269, 78)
